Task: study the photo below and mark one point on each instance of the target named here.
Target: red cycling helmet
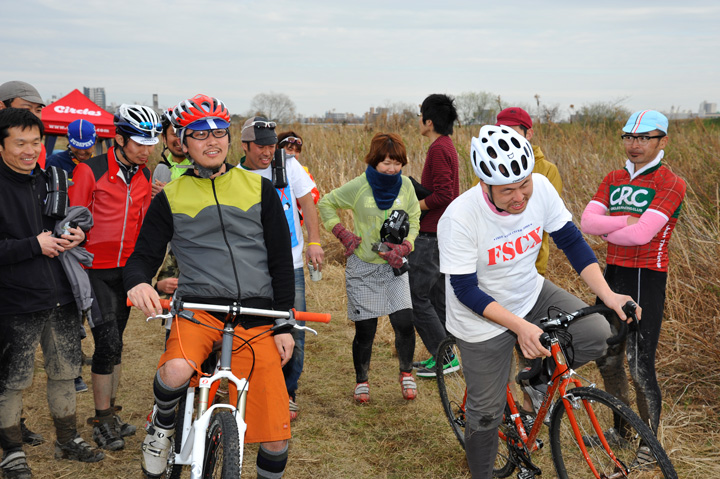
(200, 107)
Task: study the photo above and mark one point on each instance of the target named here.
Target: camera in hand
(394, 230)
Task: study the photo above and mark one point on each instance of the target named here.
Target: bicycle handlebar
(562, 321)
(240, 310)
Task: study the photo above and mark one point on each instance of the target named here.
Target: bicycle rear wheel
(637, 451)
(222, 447)
(453, 392)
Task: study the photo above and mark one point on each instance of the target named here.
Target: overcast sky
(350, 56)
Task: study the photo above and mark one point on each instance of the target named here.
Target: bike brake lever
(306, 329)
(159, 316)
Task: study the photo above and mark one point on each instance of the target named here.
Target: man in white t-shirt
(259, 142)
(489, 239)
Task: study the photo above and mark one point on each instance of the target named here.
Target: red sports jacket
(118, 209)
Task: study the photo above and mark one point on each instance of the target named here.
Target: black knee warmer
(271, 464)
(166, 399)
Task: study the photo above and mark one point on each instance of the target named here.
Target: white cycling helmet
(139, 122)
(501, 156)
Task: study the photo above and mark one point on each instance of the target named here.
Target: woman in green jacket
(374, 287)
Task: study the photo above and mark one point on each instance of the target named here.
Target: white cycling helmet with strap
(501, 156)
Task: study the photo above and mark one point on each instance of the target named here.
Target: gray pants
(486, 366)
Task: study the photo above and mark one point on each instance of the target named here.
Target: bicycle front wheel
(632, 449)
(222, 447)
(453, 392)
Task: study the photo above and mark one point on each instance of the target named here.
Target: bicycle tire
(222, 448)
(174, 471)
(452, 391)
(623, 429)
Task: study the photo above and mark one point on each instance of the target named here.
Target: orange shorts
(267, 414)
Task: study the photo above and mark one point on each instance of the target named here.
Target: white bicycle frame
(194, 431)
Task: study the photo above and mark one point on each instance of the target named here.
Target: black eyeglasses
(205, 134)
(641, 139)
(261, 124)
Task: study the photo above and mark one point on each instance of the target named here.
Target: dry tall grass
(390, 438)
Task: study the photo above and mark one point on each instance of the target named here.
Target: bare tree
(603, 112)
(273, 106)
(475, 107)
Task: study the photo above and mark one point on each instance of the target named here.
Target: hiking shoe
(123, 429)
(294, 409)
(537, 396)
(612, 437)
(104, 433)
(29, 437)
(423, 364)
(644, 461)
(14, 466)
(155, 449)
(362, 392)
(78, 450)
(80, 386)
(429, 370)
(409, 388)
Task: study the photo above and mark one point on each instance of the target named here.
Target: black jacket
(29, 280)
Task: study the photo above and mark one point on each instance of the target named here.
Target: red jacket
(118, 209)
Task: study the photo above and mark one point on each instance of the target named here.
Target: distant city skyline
(334, 56)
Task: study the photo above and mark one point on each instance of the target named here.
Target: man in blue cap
(635, 210)
(81, 138)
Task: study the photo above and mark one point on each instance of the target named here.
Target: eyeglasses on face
(641, 139)
(261, 124)
(146, 125)
(205, 134)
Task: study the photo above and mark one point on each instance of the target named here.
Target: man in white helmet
(489, 240)
(115, 187)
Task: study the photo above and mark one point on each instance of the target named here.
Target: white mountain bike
(212, 443)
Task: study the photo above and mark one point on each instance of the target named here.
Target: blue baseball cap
(81, 134)
(644, 121)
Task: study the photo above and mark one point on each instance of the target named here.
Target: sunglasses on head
(261, 124)
(292, 139)
(146, 125)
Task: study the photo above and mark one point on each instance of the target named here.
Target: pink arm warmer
(594, 221)
(641, 232)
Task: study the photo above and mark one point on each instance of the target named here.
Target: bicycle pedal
(526, 474)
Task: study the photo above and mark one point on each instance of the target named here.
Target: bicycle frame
(562, 377)
(192, 451)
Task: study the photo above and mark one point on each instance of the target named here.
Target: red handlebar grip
(165, 303)
(312, 317)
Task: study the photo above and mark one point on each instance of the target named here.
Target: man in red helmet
(246, 261)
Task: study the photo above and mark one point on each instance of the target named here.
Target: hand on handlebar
(145, 297)
(529, 341)
(616, 303)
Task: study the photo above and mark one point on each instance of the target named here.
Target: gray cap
(20, 89)
(259, 130)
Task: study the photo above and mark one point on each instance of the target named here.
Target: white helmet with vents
(501, 156)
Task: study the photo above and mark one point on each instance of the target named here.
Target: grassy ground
(391, 438)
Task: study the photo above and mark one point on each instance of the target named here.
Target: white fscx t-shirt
(300, 185)
(502, 249)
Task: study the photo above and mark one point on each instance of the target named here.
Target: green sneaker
(423, 364)
(429, 370)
